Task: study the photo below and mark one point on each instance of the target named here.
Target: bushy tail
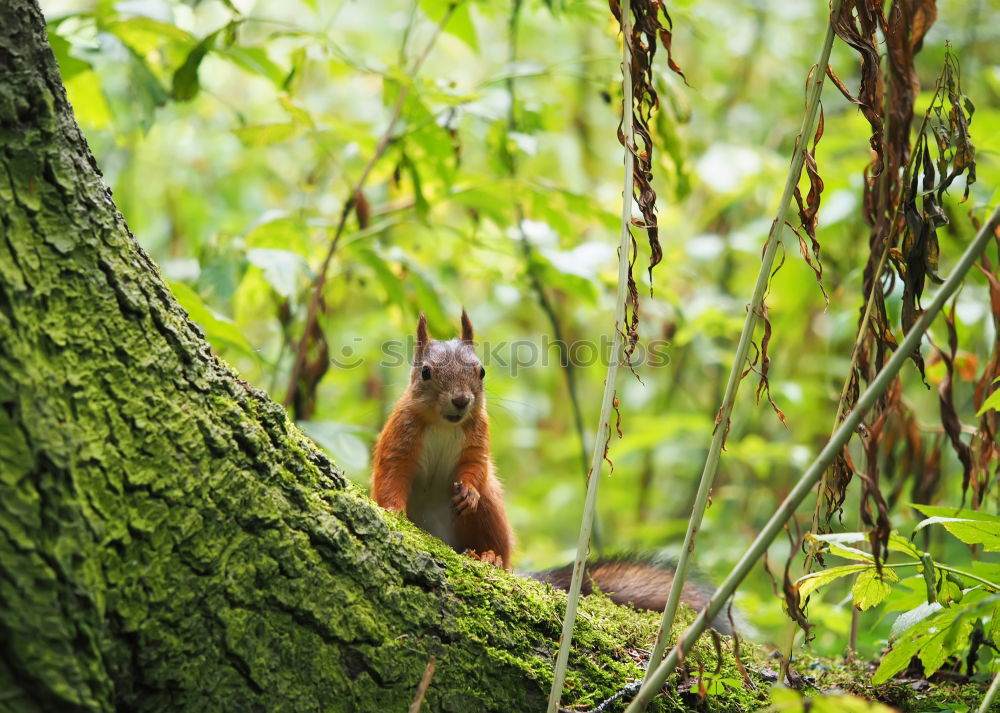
(642, 581)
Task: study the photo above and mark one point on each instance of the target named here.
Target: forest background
(233, 134)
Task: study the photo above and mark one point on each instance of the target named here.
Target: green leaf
(145, 35)
(219, 331)
(282, 268)
(552, 277)
(932, 639)
(459, 24)
(420, 202)
(811, 582)
(185, 83)
(341, 441)
(898, 543)
(992, 402)
(383, 273)
(971, 527)
(914, 616)
(255, 61)
(870, 589)
(69, 66)
(259, 135)
(89, 104)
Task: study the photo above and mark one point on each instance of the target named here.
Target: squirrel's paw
(465, 498)
(489, 557)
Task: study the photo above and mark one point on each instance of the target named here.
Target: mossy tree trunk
(168, 541)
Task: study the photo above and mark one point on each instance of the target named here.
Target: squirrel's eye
(425, 373)
(482, 373)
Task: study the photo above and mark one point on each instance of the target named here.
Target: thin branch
(312, 312)
(815, 471)
(604, 422)
(537, 286)
(739, 360)
(991, 693)
(425, 682)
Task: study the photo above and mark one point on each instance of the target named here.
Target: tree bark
(168, 540)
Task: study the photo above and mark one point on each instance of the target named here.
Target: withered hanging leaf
(362, 209)
(794, 606)
(315, 366)
(809, 211)
(985, 443)
(764, 385)
(856, 25)
(647, 30)
(949, 415)
(878, 527)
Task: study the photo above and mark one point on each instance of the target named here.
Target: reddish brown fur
(640, 582)
(478, 519)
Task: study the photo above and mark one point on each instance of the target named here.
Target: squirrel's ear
(466, 328)
(422, 337)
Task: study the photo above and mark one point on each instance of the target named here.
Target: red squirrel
(432, 462)
(432, 458)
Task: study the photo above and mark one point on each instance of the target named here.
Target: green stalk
(732, 387)
(815, 471)
(990, 695)
(604, 423)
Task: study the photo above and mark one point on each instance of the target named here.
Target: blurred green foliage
(231, 132)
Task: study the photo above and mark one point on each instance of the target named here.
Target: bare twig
(425, 682)
(604, 422)
(315, 299)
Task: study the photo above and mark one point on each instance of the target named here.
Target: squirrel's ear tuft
(422, 337)
(466, 328)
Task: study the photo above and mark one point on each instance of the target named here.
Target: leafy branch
(355, 202)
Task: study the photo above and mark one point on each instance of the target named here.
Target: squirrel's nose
(460, 401)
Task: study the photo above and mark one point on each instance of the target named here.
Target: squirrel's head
(447, 377)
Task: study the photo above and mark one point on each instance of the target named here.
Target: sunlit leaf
(254, 60)
(992, 402)
(282, 269)
(870, 588)
(811, 582)
(341, 441)
(220, 332)
(970, 526)
(459, 24)
(259, 135)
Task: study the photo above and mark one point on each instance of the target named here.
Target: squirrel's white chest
(429, 504)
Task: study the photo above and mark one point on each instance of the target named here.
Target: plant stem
(604, 422)
(875, 389)
(960, 572)
(991, 693)
(312, 311)
(746, 336)
(568, 368)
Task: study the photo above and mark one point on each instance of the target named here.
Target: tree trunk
(168, 541)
